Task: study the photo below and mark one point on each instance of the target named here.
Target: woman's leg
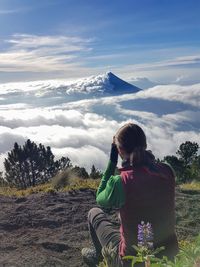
(102, 231)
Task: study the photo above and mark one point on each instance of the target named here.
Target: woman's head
(131, 142)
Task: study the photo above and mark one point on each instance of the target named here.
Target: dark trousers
(103, 232)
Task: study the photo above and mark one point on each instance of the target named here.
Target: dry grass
(75, 184)
(11, 191)
(191, 186)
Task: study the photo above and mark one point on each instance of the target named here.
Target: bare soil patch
(45, 229)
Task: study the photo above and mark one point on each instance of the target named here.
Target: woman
(144, 191)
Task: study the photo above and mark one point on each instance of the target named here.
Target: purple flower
(145, 235)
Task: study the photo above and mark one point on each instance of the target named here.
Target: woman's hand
(113, 140)
(114, 152)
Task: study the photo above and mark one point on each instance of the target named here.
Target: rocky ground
(44, 229)
(49, 229)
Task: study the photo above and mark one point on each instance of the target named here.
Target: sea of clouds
(47, 112)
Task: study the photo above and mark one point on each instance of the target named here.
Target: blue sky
(49, 39)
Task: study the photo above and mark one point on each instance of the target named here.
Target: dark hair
(131, 138)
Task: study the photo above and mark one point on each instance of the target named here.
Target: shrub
(62, 179)
(80, 172)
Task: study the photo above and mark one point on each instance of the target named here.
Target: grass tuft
(191, 186)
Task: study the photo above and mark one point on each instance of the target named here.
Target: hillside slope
(50, 229)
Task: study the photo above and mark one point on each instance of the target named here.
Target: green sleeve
(110, 192)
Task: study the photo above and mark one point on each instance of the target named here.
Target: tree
(95, 173)
(2, 180)
(195, 168)
(31, 164)
(80, 172)
(188, 152)
(64, 163)
(186, 165)
(177, 166)
(13, 167)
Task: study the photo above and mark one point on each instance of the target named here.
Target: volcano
(107, 83)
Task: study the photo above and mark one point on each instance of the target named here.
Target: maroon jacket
(149, 197)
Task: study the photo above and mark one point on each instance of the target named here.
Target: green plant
(145, 251)
(109, 254)
(189, 256)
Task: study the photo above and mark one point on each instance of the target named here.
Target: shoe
(89, 256)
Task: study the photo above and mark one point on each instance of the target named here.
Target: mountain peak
(104, 84)
(121, 86)
(110, 74)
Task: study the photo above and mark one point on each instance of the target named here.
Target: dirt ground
(50, 229)
(45, 229)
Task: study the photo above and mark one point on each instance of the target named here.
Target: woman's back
(149, 197)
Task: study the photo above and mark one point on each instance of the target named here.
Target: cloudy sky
(45, 46)
(50, 39)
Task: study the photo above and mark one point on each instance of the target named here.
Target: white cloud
(142, 82)
(163, 71)
(92, 84)
(61, 42)
(185, 94)
(27, 55)
(13, 106)
(85, 156)
(177, 61)
(2, 158)
(83, 130)
(34, 53)
(7, 139)
(10, 11)
(37, 117)
(45, 117)
(188, 116)
(83, 146)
